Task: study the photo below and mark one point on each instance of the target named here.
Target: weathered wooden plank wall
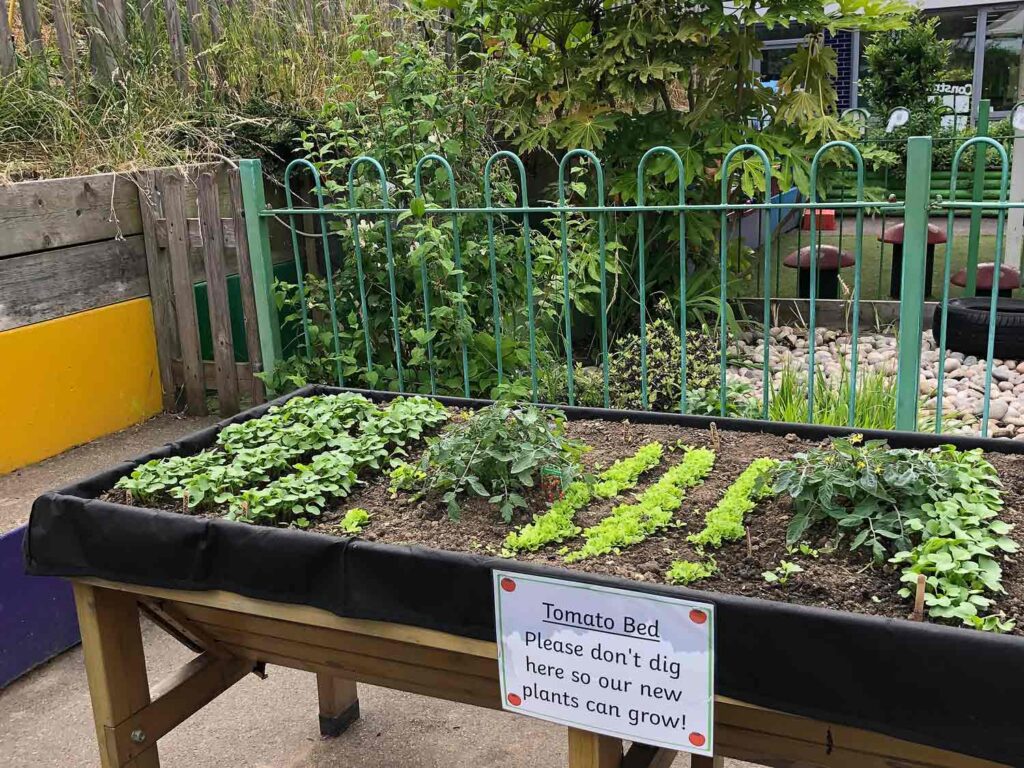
(49, 284)
(71, 245)
(39, 215)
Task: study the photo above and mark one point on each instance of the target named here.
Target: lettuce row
(624, 473)
(724, 522)
(557, 524)
(653, 510)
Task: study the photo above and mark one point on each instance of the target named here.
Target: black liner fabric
(951, 688)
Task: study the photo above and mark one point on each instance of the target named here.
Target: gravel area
(963, 386)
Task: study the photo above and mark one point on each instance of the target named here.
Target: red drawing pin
(697, 739)
(515, 701)
(698, 617)
(508, 585)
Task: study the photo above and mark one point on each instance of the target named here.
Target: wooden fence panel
(196, 37)
(173, 194)
(50, 284)
(161, 289)
(101, 55)
(217, 293)
(65, 40)
(177, 42)
(70, 245)
(150, 23)
(38, 215)
(7, 60)
(252, 334)
(32, 26)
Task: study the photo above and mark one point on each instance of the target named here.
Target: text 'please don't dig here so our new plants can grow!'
(627, 664)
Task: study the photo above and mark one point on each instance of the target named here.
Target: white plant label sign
(612, 661)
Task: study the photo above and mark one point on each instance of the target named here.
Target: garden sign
(628, 664)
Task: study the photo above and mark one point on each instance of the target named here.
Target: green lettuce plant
(354, 520)
(653, 510)
(556, 525)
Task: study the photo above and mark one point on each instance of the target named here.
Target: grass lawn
(876, 260)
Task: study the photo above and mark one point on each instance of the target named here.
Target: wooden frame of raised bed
(235, 635)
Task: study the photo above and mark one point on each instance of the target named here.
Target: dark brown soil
(835, 578)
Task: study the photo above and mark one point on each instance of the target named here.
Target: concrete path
(19, 488)
(46, 722)
(46, 717)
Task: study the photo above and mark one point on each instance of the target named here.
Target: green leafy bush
(250, 451)
(557, 524)
(663, 365)
(496, 453)
(867, 489)
(961, 539)
(904, 68)
(935, 511)
(155, 478)
(653, 510)
(293, 498)
(304, 422)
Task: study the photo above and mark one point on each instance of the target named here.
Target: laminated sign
(612, 661)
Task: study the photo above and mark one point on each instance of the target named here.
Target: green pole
(915, 245)
(977, 195)
(254, 201)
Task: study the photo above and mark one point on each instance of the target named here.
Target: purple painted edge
(37, 613)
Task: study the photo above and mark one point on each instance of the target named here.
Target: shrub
(497, 453)
(904, 67)
(663, 364)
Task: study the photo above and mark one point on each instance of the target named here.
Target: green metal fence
(341, 225)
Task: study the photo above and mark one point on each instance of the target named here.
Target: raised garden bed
(780, 650)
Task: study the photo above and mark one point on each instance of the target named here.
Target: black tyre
(967, 327)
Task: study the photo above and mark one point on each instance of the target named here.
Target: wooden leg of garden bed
(646, 756)
(115, 666)
(339, 704)
(592, 750)
(699, 761)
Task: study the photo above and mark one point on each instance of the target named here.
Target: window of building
(960, 27)
(774, 61)
(1001, 73)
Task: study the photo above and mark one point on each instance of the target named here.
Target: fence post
(258, 238)
(977, 195)
(915, 244)
(8, 62)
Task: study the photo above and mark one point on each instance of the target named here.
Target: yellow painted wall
(64, 382)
